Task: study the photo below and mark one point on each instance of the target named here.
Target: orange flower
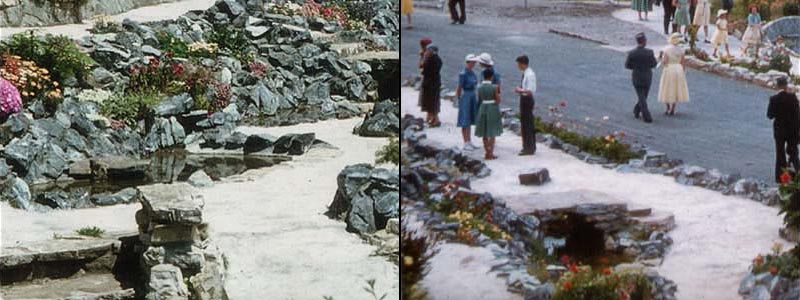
(567, 285)
(785, 177)
(606, 271)
(773, 270)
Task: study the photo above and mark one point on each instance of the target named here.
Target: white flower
(588, 119)
(95, 95)
(605, 118)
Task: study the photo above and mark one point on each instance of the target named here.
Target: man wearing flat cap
(641, 62)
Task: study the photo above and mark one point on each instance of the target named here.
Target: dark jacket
(785, 110)
(431, 77)
(642, 62)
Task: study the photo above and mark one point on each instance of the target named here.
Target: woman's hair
(488, 73)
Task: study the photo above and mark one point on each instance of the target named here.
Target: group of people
(478, 98)
(456, 16)
(683, 14)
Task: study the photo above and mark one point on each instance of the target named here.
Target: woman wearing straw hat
(721, 35)
(672, 87)
(468, 100)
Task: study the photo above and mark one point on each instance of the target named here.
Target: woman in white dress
(752, 36)
(672, 87)
(702, 15)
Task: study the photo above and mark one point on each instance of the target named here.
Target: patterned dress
(10, 100)
(681, 17)
(489, 123)
(641, 5)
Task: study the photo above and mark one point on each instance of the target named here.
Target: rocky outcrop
(382, 121)
(367, 198)
(24, 13)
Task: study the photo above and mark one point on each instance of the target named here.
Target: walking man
(784, 109)
(669, 11)
(454, 15)
(641, 61)
(526, 92)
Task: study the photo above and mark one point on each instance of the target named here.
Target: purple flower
(10, 100)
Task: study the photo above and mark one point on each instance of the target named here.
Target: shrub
(94, 95)
(92, 231)
(780, 62)
(785, 264)
(172, 44)
(222, 96)
(130, 107)
(416, 252)
(232, 41)
(608, 146)
(105, 24)
(203, 50)
(286, 9)
(583, 283)
(58, 54)
(154, 77)
(390, 153)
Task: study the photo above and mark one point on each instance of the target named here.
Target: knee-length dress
(752, 36)
(673, 87)
(681, 17)
(431, 85)
(721, 34)
(641, 5)
(468, 104)
(489, 123)
(702, 15)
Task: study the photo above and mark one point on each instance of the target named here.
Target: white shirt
(529, 81)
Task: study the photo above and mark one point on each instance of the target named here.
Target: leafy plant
(416, 252)
(32, 81)
(105, 24)
(390, 153)
(370, 288)
(583, 283)
(785, 264)
(94, 95)
(203, 50)
(92, 231)
(130, 107)
(222, 96)
(780, 62)
(232, 41)
(172, 44)
(608, 146)
(58, 54)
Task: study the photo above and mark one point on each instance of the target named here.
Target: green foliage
(105, 24)
(780, 62)
(172, 44)
(58, 54)
(232, 41)
(785, 265)
(130, 107)
(370, 288)
(692, 37)
(390, 153)
(791, 9)
(586, 284)
(92, 231)
(608, 146)
(416, 252)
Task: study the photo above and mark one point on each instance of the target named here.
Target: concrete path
(166, 11)
(724, 126)
(716, 236)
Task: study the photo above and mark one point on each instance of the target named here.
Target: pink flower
(10, 100)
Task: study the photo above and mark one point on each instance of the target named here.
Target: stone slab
(56, 250)
(176, 203)
(164, 234)
(526, 204)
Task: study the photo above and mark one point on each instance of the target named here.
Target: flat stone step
(658, 220)
(526, 204)
(639, 211)
(348, 49)
(376, 55)
(56, 250)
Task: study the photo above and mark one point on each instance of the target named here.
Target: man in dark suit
(642, 61)
(454, 14)
(669, 11)
(785, 110)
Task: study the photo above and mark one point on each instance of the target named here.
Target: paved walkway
(716, 236)
(166, 11)
(724, 126)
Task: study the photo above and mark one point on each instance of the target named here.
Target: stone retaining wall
(22, 13)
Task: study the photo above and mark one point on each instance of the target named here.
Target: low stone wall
(23, 13)
(766, 80)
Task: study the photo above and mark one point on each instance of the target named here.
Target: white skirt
(752, 35)
(702, 15)
(672, 87)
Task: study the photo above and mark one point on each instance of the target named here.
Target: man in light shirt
(526, 92)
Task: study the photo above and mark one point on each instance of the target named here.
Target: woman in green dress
(489, 124)
(681, 17)
(641, 6)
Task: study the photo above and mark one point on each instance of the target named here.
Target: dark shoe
(453, 22)
(636, 116)
(648, 121)
(526, 152)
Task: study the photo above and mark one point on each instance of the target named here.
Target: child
(752, 36)
(721, 35)
(488, 123)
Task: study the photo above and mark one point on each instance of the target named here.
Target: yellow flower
(408, 260)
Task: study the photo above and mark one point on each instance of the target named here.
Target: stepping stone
(658, 220)
(637, 211)
(172, 204)
(537, 176)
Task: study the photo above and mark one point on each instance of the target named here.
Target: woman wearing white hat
(672, 87)
(468, 100)
(721, 35)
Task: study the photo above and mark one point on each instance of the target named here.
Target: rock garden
(167, 115)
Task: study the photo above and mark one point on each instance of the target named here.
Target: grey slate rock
(537, 176)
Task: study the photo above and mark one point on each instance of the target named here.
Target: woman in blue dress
(468, 100)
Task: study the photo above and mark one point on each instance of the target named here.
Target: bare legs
(465, 133)
(409, 26)
(705, 31)
(488, 146)
(670, 109)
(433, 120)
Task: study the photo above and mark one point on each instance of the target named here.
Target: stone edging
(766, 80)
(577, 36)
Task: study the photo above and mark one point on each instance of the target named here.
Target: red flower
(623, 295)
(567, 285)
(758, 260)
(177, 69)
(573, 268)
(604, 260)
(785, 177)
(565, 259)
(773, 270)
(606, 271)
(563, 104)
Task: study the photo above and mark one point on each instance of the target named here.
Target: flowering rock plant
(585, 283)
(32, 81)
